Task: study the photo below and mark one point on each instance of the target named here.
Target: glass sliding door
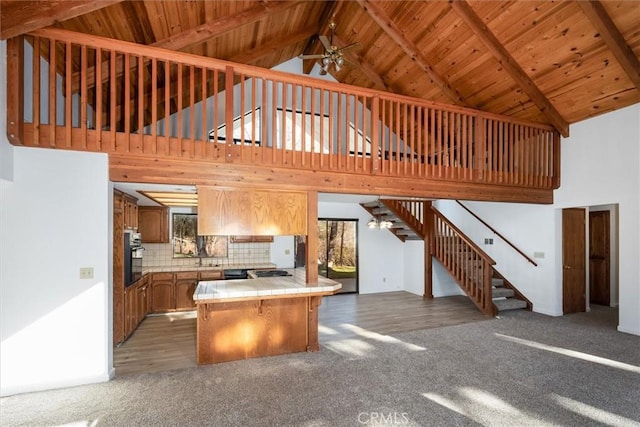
(338, 252)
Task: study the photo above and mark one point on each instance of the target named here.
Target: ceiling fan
(332, 53)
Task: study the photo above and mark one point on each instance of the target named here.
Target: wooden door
(573, 261)
(599, 264)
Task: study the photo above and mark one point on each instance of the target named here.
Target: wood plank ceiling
(551, 62)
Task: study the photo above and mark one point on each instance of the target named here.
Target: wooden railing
(74, 91)
(411, 212)
(469, 265)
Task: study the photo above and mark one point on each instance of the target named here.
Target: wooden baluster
(141, 104)
(83, 96)
(126, 118)
(112, 106)
(204, 144)
(243, 110)
(99, 106)
(303, 127)
(154, 106)
(228, 113)
(283, 134)
(67, 101)
(313, 128)
(167, 107)
(274, 143)
(36, 91)
(192, 112)
(294, 128)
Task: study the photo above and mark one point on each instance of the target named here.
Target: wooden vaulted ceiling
(552, 62)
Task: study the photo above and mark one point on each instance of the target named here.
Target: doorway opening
(337, 252)
(590, 258)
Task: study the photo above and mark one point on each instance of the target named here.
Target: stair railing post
(15, 90)
(487, 300)
(429, 239)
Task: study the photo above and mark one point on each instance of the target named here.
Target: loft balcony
(170, 117)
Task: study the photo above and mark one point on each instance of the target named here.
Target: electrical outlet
(287, 251)
(384, 280)
(488, 241)
(86, 272)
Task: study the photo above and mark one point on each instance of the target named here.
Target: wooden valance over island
(267, 316)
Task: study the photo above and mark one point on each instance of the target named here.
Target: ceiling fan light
(386, 224)
(339, 62)
(326, 61)
(338, 67)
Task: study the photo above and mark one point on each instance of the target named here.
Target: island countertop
(264, 287)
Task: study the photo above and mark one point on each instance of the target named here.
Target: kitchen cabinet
(185, 287)
(162, 292)
(136, 305)
(251, 239)
(153, 224)
(251, 212)
(174, 291)
(130, 211)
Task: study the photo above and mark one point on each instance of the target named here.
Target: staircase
(467, 263)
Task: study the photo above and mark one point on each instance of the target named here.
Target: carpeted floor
(519, 369)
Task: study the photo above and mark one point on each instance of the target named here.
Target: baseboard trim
(52, 385)
(628, 331)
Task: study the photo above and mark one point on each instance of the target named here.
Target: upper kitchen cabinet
(236, 212)
(153, 224)
(129, 206)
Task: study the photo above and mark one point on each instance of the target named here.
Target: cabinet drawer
(211, 275)
(162, 276)
(187, 275)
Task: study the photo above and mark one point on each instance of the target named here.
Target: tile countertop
(171, 268)
(219, 290)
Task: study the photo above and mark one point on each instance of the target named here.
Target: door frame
(613, 248)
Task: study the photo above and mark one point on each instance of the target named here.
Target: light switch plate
(539, 255)
(287, 251)
(86, 272)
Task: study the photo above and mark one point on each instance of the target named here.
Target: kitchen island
(268, 316)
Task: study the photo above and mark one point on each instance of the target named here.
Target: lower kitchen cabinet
(136, 305)
(162, 292)
(185, 287)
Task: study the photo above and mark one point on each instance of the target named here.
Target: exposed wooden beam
(380, 17)
(273, 46)
(125, 167)
(613, 38)
(199, 34)
(20, 17)
(511, 66)
(365, 67)
(209, 30)
(330, 9)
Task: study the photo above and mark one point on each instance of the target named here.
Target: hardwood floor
(168, 341)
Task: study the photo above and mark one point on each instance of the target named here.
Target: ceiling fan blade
(325, 42)
(318, 56)
(355, 45)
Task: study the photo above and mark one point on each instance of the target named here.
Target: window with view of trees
(187, 243)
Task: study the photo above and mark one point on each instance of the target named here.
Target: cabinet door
(184, 293)
(141, 306)
(162, 297)
(153, 224)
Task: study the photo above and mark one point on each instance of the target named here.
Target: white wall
(380, 253)
(600, 166)
(55, 217)
(278, 252)
(442, 283)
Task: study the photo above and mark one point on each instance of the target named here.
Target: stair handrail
(464, 237)
(478, 292)
(498, 234)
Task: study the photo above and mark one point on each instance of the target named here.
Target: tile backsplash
(161, 254)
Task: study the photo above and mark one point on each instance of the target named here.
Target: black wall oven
(132, 257)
